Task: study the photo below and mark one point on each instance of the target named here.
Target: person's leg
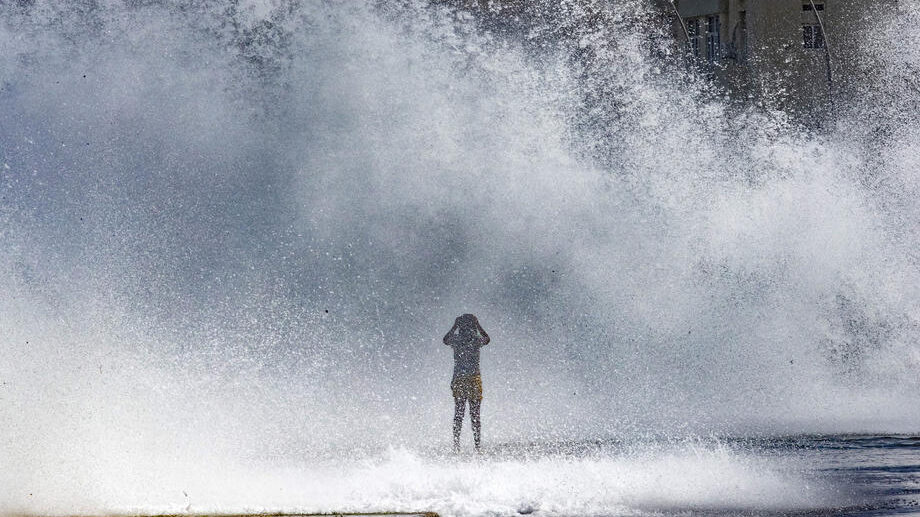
(459, 407)
(474, 417)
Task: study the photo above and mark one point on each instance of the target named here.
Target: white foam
(646, 480)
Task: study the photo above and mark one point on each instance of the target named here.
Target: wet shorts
(467, 387)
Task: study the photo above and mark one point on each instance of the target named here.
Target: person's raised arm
(485, 337)
(449, 333)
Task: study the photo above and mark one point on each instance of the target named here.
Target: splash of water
(236, 231)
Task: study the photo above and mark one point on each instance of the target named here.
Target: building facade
(805, 57)
(798, 55)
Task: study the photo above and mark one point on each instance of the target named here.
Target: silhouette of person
(466, 337)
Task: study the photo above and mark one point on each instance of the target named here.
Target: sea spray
(235, 234)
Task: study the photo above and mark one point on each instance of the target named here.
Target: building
(798, 55)
(805, 57)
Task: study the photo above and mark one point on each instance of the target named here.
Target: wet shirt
(466, 354)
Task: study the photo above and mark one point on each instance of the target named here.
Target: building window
(713, 40)
(812, 36)
(704, 32)
(693, 35)
(741, 45)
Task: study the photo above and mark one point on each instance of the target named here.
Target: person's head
(467, 323)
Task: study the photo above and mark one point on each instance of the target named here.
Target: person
(466, 337)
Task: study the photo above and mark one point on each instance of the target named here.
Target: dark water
(872, 475)
(882, 472)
